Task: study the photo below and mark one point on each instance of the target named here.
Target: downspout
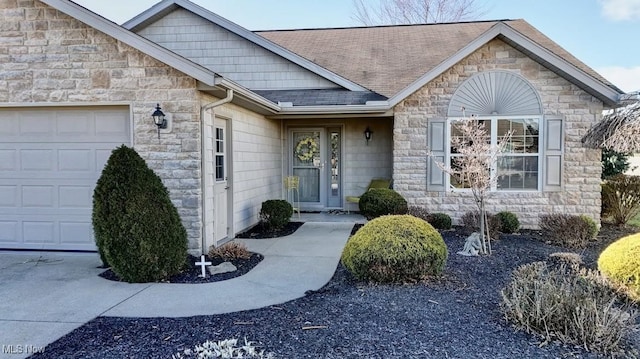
(203, 110)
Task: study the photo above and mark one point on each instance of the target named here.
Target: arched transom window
(504, 101)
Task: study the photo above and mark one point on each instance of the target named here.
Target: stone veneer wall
(581, 167)
(47, 57)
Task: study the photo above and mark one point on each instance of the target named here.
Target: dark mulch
(456, 316)
(259, 231)
(192, 273)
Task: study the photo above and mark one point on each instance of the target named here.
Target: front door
(316, 160)
(221, 184)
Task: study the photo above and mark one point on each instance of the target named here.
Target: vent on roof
(495, 93)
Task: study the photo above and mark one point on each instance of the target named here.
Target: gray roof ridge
(387, 26)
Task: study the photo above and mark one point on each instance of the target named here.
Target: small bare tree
(471, 166)
(398, 12)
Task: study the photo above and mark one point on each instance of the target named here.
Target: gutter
(248, 94)
(203, 110)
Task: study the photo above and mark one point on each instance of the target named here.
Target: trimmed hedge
(275, 214)
(137, 229)
(378, 202)
(509, 222)
(439, 220)
(620, 262)
(396, 248)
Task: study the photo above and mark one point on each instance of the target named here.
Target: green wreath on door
(306, 149)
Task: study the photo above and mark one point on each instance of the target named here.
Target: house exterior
(247, 109)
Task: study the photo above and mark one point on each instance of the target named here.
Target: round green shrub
(378, 202)
(275, 214)
(508, 222)
(137, 229)
(440, 220)
(395, 248)
(620, 262)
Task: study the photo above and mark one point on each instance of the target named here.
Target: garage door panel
(37, 160)
(50, 161)
(41, 232)
(38, 196)
(76, 123)
(36, 123)
(75, 196)
(76, 160)
(10, 124)
(9, 196)
(9, 232)
(102, 156)
(8, 159)
(75, 232)
(112, 124)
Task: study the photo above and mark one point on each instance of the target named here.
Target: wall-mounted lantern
(367, 135)
(159, 119)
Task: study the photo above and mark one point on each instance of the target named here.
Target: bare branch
(619, 130)
(473, 158)
(398, 12)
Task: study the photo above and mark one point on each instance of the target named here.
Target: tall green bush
(378, 202)
(137, 229)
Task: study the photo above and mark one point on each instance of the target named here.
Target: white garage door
(50, 160)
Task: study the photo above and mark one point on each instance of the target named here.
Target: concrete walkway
(46, 295)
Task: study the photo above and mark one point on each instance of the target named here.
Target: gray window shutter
(436, 142)
(553, 155)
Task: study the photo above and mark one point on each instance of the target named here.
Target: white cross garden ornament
(203, 265)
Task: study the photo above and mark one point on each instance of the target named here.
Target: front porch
(333, 159)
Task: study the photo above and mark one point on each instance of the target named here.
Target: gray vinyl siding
(228, 54)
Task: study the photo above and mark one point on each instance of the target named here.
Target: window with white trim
(516, 169)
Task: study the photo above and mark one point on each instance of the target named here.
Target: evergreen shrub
(137, 228)
(378, 202)
(395, 248)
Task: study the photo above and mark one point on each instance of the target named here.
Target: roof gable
(282, 60)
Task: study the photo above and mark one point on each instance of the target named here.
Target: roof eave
(592, 85)
(138, 42)
(247, 94)
(166, 6)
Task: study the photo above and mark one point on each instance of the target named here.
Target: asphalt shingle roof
(386, 59)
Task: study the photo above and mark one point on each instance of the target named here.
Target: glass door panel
(334, 195)
(308, 162)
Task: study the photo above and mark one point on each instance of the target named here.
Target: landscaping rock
(224, 267)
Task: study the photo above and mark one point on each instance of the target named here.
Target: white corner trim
(120, 33)
(502, 29)
(244, 33)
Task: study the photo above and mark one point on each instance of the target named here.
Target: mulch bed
(456, 316)
(193, 272)
(259, 231)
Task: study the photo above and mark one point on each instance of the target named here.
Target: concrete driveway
(44, 296)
